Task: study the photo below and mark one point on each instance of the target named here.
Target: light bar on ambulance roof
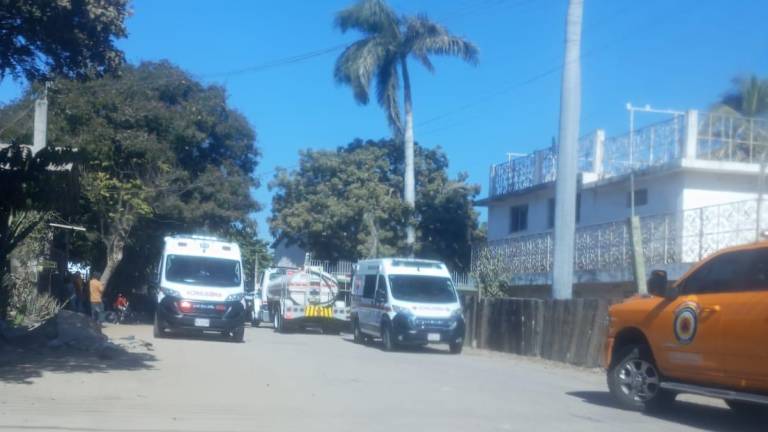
(417, 263)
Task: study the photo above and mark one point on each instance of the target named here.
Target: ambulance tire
(357, 334)
(387, 339)
(158, 331)
(455, 347)
(238, 334)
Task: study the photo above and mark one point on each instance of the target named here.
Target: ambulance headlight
(402, 310)
(456, 314)
(235, 297)
(170, 292)
(405, 313)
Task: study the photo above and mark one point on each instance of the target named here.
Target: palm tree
(382, 55)
(748, 98)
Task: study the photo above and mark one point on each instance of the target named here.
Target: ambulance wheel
(456, 347)
(158, 331)
(357, 334)
(238, 334)
(386, 338)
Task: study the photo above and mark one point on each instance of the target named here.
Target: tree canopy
(157, 151)
(72, 38)
(346, 204)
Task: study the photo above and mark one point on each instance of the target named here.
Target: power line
(530, 80)
(285, 61)
(277, 63)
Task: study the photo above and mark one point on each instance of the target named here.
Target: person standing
(96, 292)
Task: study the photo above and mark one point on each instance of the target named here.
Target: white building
(696, 189)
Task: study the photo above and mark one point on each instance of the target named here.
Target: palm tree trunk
(565, 187)
(409, 192)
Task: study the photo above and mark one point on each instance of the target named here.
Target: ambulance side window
(369, 286)
(381, 290)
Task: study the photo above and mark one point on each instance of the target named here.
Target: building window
(641, 198)
(518, 218)
(551, 211)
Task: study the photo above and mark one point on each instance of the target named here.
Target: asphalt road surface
(302, 382)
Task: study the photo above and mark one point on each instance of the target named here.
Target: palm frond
(386, 93)
(424, 37)
(425, 61)
(358, 63)
(748, 97)
(373, 17)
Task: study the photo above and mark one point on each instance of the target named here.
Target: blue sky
(668, 53)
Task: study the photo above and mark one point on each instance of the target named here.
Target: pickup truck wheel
(635, 381)
(747, 409)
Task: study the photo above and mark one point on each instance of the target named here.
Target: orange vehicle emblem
(686, 323)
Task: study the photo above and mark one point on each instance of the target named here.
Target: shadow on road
(704, 417)
(416, 349)
(22, 366)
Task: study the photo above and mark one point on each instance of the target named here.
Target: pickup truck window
(756, 276)
(723, 273)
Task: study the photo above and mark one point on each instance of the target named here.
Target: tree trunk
(565, 187)
(115, 247)
(409, 192)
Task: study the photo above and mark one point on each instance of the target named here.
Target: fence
(570, 331)
(683, 237)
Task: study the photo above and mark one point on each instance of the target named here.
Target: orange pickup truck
(705, 334)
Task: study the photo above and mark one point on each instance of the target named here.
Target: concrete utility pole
(567, 156)
(41, 122)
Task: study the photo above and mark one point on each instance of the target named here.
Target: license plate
(202, 322)
(433, 337)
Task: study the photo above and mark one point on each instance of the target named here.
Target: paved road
(317, 382)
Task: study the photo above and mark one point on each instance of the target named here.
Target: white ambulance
(406, 302)
(200, 287)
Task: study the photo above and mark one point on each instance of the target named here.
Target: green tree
(31, 187)
(345, 204)
(382, 55)
(71, 38)
(155, 144)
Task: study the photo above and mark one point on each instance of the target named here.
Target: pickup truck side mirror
(657, 284)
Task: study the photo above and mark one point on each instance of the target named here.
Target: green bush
(27, 306)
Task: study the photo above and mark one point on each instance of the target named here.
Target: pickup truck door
(688, 329)
(745, 326)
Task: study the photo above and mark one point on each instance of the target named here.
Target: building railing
(683, 237)
(705, 136)
(732, 138)
(652, 145)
